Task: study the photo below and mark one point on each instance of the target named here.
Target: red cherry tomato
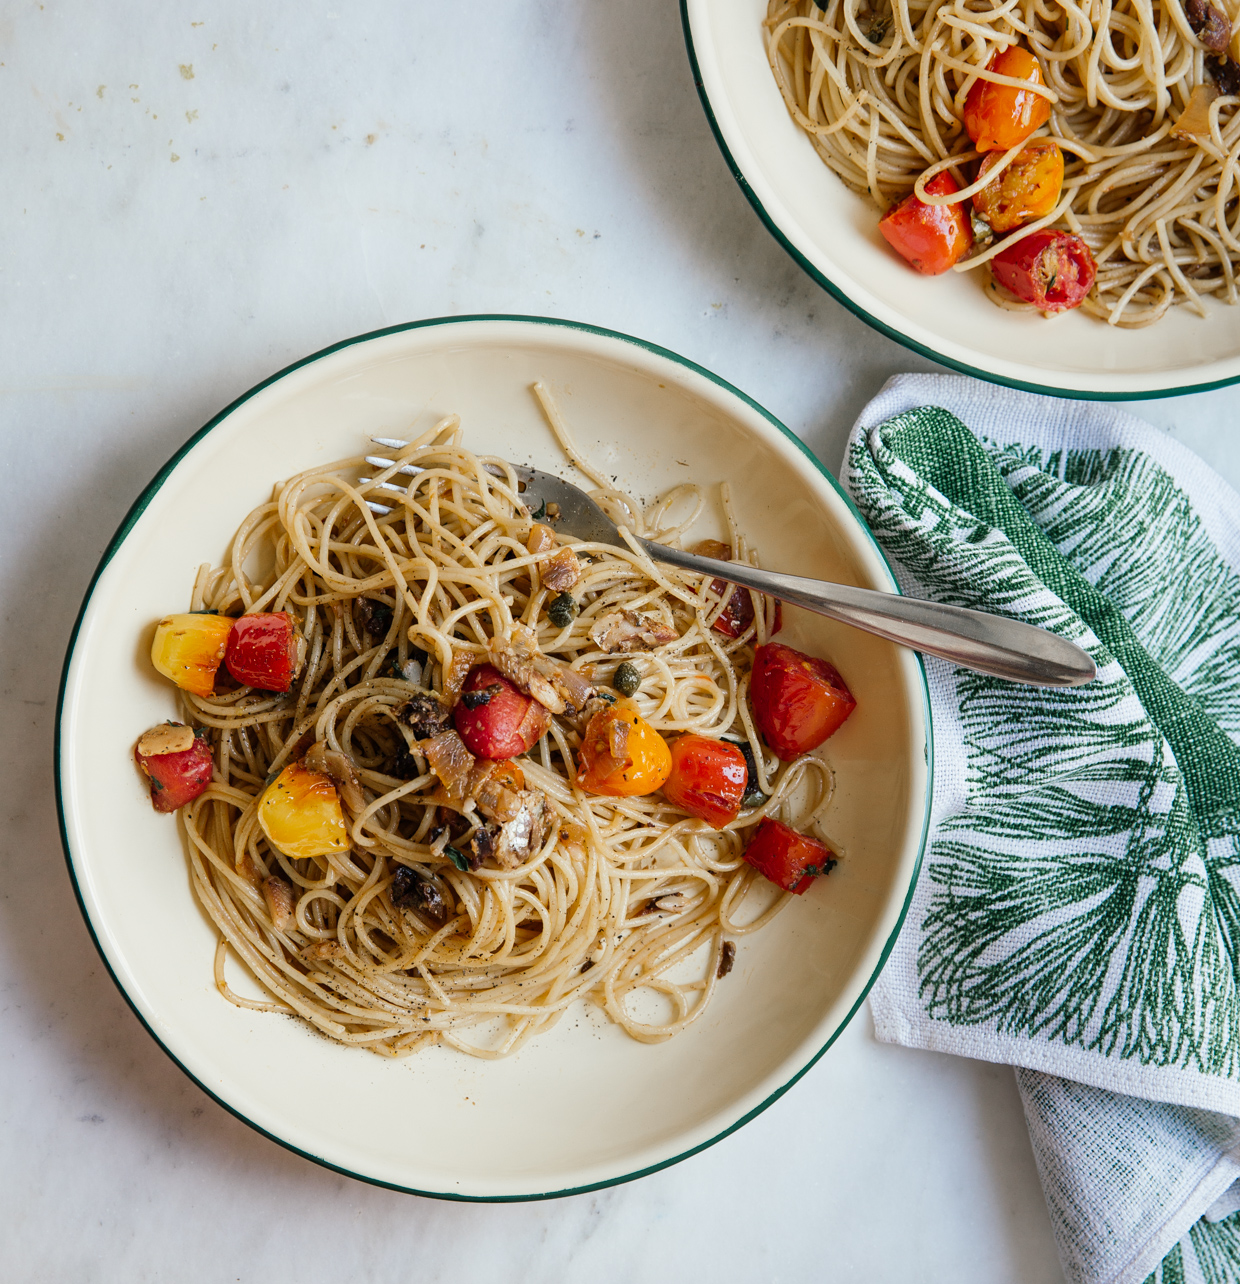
(737, 614)
(798, 700)
(790, 860)
(931, 237)
(494, 719)
(999, 116)
(708, 779)
(176, 777)
(264, 651)
(1052, 270)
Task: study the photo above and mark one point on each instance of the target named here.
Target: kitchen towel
(1078, 909)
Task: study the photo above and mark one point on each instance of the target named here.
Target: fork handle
(974, 639)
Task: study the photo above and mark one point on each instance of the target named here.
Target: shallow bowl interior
(834, 235)
(583, 1105)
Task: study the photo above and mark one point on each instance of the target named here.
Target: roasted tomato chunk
(264, 651)
(708, 779)
(300, 813)
(737, 614)
(790, 860)
(621, 754)
(736, 618)
(1052, 270)
(930, 237)
(798, 699)
(1027, 189)
(176, 761)
(1000, 116)
(189, 648)
(494, 718)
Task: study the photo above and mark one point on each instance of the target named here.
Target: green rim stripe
(881, 326)
(136, 511)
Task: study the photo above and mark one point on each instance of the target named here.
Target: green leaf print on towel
(1209, 1254)
(1087, 892)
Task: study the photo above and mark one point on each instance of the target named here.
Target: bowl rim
(136, 510)
(906, 341)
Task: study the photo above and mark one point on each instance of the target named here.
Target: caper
(626, 678)
(562, 610)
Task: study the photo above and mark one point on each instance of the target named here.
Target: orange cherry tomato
(930, 237)
(999, 116)
(1053, 270)
(790, 860)
(708, 779)
(798, 699)
(1026, 190)
(621, 754)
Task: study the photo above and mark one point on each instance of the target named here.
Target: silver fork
(976, 640)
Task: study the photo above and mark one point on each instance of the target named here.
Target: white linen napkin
(1078, 909)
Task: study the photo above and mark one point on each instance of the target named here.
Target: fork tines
(406, 470)
(378, 461)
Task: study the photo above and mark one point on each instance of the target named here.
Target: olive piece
(412, 889)
(626, 678)
(475, 699)
(753, 796)
(425, 715)
(562, 610)
(375, 617)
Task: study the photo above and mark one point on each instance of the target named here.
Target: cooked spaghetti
(880, 87)
(625, 900)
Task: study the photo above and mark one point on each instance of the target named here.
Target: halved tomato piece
(708, 779)
(798, 699)
(790, 860)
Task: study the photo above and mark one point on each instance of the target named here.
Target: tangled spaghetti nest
(627, 900)
(880, 85)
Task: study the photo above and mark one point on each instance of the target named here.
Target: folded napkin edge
(1159, 1242)
(1096, 424)
(1081, 1065)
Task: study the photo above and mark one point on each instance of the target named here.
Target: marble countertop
(195, 196)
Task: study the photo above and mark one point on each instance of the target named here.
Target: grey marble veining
(194, 197)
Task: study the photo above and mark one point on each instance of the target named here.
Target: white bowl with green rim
(833, 234)
(581, 1106)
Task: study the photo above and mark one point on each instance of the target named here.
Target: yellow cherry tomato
(621, 754)
(1026, 190)
(300, 813)
(189, 648)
